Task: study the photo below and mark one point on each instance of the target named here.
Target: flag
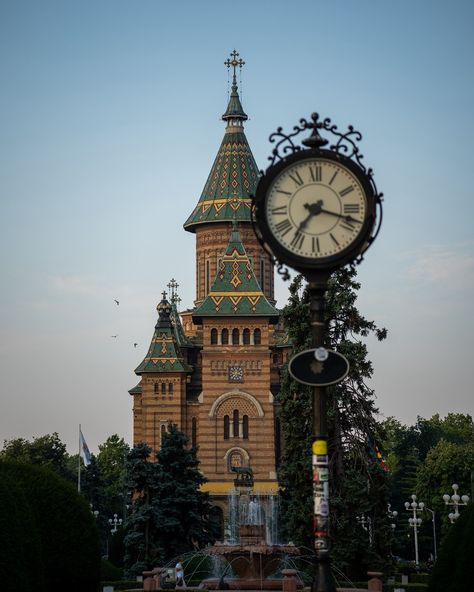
(84, 449)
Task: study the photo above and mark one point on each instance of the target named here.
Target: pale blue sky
(110, 118)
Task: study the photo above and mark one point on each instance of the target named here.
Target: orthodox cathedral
(214, 370)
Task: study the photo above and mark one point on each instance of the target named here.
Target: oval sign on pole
(306, 369)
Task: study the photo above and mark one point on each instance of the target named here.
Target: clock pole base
(323, 580)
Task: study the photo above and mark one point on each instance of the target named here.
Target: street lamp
(415, 522)
(392, 514)
(434, 532)
(366, 523)
(95, 513)
(455, 500)
(115, 522)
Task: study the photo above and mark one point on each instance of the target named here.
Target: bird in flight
(135, 344)
(116, 302)
(115, 336)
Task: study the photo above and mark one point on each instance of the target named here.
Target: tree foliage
(453, 570)
(111, 462)
(47, 451)
(353, 429)
(55, 530)
(170, 514)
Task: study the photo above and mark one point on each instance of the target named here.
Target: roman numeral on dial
(284, 227)
(315, 244)
(298, 240)
(316, 173)
(296, 177)
(351, 208)
(345, 191)
(279, 210)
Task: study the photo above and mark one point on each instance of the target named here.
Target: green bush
(408, 587)
(421, 578)
(21, 567)
(109, 571)
(67, 539)
(453, 570)
(123, 584)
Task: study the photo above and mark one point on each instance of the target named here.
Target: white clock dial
(316, 208)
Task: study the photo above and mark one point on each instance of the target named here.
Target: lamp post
(366, 523)
(455, 500)
(95, 513)
(392, 516)
(415, 522)
(115, 521)
(435, 555)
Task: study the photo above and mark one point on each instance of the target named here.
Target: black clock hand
(314, 209)
(347, 218)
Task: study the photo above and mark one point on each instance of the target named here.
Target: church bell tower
(225, 352)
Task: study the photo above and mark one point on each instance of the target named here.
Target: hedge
(60, 531)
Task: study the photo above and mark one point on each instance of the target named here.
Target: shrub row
(48, 538)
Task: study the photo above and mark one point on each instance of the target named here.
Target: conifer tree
(170, 514)
(358, 481)
(180, 508)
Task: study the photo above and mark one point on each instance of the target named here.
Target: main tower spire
(234, 174)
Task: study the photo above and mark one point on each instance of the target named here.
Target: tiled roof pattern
(235, 291)
(163, 354)
(233, 178)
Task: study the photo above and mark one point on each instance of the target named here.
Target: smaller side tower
(160, 396)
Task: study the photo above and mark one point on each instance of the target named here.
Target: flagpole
(79, 463)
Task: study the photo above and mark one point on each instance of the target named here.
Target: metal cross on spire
(173, 286)
(234, 62)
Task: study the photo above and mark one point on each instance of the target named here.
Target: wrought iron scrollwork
(344, 143)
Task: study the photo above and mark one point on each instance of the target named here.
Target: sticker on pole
(318, 367)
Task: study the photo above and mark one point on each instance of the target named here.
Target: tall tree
(140, 480)
(180, 508)
(111, 461)
(170, 514)
(357, 479)
(47, 450)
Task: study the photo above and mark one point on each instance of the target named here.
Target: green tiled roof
(234, 108)
(235, 291)
(136, 390)
(233, 177)
(163, 354)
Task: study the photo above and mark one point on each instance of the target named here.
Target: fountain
(251, 549)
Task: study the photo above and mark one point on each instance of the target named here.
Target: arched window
(235, 423)
(163, 432)
(246, 336)
(226, 427)
(170, 388)
(213, 336)
(225, 336)
(194, 432)
(257, 337)
(163, 388)
(235, 337)
(156, 388)
(245, 427)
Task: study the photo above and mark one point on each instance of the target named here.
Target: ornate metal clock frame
(343, 150)
(317, 270)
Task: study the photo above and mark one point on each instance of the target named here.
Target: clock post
(317, 209)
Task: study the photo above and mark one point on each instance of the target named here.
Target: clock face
(316, 208)
(236, 373)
